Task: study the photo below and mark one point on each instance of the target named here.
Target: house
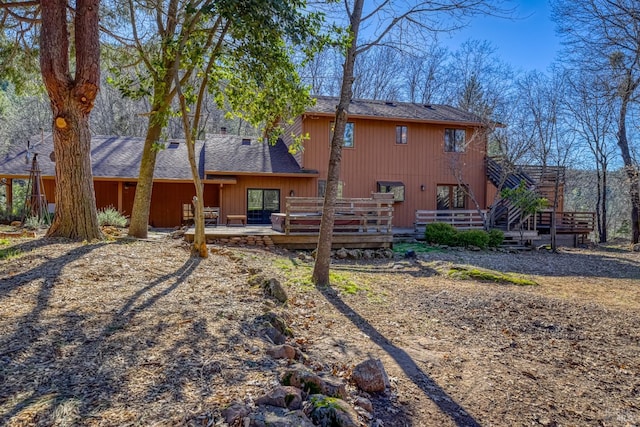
(430, 157)
(240, 175)
(421, 153)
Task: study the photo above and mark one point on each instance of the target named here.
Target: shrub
(496, 237)
(33, 222)
(479, 238)
(110, 216)
(441, 233)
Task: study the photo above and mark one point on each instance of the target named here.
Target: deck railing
(354, 215)
(567, 222)
(460, 219)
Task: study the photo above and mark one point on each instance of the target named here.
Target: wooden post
(9, 195)
(120, 184)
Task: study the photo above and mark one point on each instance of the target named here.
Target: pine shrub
(111, 216)
(496, 237)
(441, 233)
(479, 238)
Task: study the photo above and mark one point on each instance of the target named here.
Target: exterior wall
(296, 129)
(234, 196)
(376, 157)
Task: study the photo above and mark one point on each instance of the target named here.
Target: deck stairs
(502, 174)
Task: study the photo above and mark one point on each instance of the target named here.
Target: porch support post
(120, 185)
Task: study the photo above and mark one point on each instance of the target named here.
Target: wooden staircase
(506, 216)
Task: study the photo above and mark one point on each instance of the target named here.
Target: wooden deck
(264, 235)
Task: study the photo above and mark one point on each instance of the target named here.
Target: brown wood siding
(296, 129)
(376, 157)
(234, 196)
(106, 194)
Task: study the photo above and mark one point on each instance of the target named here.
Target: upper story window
(401, 134)
(348, 134)
(322, 188)
(454, 140)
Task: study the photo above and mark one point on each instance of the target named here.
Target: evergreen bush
(479, 238)
(496, 237)
(441, 233)
(111, 216)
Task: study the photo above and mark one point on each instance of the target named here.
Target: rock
(330, 411)
(364, 403)
(282, 352)
(272, 416)
(387, 253)
(299, 376)
(274, 335)
(354, 254)
(368, 254)
(178, 234)
(234, 413)
(410, 254)
(342, 253)
(274, 328)
(283, 397)
(370, 376)
(276, 290)
(474, 248)
(636, 247)
(16, 223)
(257, 280)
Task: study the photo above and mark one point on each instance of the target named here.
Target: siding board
(376, 157)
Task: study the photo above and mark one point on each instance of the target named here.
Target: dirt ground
(138, 333)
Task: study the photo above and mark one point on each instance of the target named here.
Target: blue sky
(526, 43)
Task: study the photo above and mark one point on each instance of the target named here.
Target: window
(454, 140)
(401, 134)
(397, 188)
(451, 197)
(322, 188)
(348, 134)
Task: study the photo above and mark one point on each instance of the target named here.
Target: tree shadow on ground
(431, 389)
(601, 263)
(48, 360)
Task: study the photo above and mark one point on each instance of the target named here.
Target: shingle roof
(396, 110)
(228, 153)
(111, 156)
(119, 157)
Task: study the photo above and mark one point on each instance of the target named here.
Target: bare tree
(376, 74)
(604, 36)
(391, 24)
(424, 74)
(591, 111)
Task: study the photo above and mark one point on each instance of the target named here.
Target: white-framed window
(401, 134)
(349, 140)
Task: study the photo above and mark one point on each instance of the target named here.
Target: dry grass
(140, 334)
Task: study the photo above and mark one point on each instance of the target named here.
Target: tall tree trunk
(325, 238)
(603, 207)
(630, 169)
(138, 226)
(71, 102)
(599, 202)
